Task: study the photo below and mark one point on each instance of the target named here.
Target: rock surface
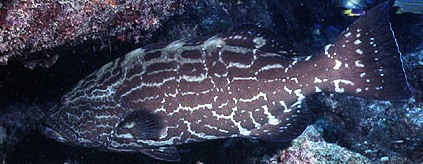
(29, 28)
(310, 147)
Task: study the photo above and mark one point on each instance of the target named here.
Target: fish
(353, 12)
(354, 7)
(243, 83)
(409, 6)
(353, 4)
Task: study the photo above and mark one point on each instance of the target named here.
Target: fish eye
(63, 100)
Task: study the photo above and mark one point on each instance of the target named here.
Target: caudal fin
(366, 61)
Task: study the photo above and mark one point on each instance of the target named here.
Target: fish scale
(244, 83)
(211, 89)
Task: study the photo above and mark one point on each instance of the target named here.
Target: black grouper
(239, 84)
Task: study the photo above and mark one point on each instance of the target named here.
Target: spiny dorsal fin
(257, 37)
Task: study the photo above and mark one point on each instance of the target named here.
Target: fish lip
(59, 131)
(53, 134)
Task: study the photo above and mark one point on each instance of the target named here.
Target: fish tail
(365, 59)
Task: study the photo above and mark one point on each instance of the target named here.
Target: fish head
(93, 115)
(78, 122)
(55, 129)
(92, 124)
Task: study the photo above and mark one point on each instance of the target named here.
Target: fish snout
(55, 128)
(52, 134)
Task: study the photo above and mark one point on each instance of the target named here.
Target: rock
(2, 135)
(310, 147)
(17, 122)
(28, 28)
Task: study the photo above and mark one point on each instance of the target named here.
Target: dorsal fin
(253, 36)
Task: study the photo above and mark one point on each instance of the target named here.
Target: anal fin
(168, 153)
(293, 122)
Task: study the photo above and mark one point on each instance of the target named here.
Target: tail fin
(366, 61)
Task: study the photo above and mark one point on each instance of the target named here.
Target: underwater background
(41, 62)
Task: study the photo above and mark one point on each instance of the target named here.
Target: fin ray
(141, 124)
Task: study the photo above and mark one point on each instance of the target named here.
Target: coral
(3, 138)
(414, 63)
(310, 147)
(376, 129)
(33, 26)
(2, 135)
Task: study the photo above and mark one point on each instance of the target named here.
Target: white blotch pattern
(318, 89)
(327, 47)
(357, 42)
(287, 89)
(317, 80)
(358, 63)
(338, 88)
(359, 51)
(348, 34)
(337, 64)
(259, 41)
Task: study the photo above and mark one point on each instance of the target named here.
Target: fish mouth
(52, 134)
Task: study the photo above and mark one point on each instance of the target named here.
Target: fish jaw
(53, 134)
(55, 129)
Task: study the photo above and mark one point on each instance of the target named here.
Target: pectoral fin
(140, 124)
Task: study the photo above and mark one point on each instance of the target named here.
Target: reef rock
(27, 27)
(311, 148)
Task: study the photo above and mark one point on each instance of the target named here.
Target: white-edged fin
(168, 153)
